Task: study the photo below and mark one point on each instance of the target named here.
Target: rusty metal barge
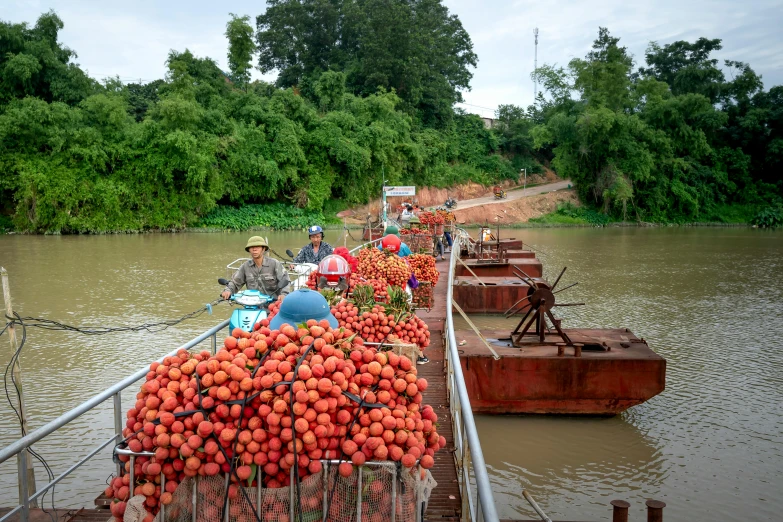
(542, 367)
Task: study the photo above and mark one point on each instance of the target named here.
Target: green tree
(686, 67)
(418, 49)
(33, 63)
(240, 49)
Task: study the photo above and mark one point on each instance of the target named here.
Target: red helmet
(333, 267)
(391, 243)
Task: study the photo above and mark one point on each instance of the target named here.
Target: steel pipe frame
(30, 439)
(19, 447)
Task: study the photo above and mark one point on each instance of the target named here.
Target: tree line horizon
(367, 90)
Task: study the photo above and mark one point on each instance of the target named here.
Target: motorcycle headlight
(250, 300)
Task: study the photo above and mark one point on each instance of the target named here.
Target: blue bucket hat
(300, 306)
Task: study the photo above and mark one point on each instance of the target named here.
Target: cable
(49, 324)
(30, 450)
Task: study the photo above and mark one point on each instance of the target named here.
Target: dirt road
(512, 195)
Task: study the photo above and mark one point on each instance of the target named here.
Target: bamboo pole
(17, 373)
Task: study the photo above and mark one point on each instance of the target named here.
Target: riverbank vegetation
(366, 92)
(79, 156)
(680, 139)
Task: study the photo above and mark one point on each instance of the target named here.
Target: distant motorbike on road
(450, 203)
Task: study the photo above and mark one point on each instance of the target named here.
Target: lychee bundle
(423, 267)
(428, 218)
(376, 264)
(380, 286)
(377, 325)
(270, 401)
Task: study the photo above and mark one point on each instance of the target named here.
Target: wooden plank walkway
(445, 501)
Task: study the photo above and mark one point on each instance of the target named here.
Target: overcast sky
(132, 39)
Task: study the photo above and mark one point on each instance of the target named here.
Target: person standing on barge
(262, 273)
(316, 249)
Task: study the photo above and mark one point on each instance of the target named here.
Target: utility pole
(535, 66)
(17, 375)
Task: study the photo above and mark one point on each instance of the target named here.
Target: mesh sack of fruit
(377, 264)
(339, 493)
(423, 295)
(424, 269)
(420, 243)
(269, 402)
(378, 491)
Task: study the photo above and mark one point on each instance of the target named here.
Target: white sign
(400, 191)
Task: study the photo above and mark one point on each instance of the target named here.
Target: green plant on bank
(278, 216)
(769, 217)
(569, 214)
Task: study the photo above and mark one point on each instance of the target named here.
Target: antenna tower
(535, 66)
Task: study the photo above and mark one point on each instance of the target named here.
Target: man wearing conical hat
(262, 273)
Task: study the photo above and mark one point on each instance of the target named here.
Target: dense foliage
(672, 141)
(415, 48)
(365, 93)
(78, 156)
(273, 215)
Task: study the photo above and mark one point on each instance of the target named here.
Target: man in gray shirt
(266, 274)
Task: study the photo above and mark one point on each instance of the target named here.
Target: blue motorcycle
(253, 309)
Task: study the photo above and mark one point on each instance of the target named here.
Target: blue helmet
(301, 305)
(315, 229)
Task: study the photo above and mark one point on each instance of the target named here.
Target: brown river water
(710, 300)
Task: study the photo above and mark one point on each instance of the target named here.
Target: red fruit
(346, 468)
(408, 460)
(427, 462)
(349, 447)
(243, 472)
(358, 458)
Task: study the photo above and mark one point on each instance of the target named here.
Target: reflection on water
(555, 461)
(709, 300)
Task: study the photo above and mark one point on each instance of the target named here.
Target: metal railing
(19, 448)
(468, 454)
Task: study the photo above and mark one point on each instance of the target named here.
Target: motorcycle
(500, 194)
(299, 273)
(451, 203)
(253, 309)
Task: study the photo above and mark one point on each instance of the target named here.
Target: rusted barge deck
(535, 379)
(529, 265)
(490, 295)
